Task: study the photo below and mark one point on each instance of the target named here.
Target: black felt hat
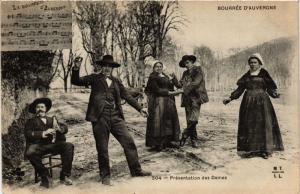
(185, 58)
(108, 60)
(46, 101)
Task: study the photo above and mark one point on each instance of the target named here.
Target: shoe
(194, 143)
(46, 182)
(183, 139)
(158, 148)
(173, 144)
(141, 173)
(66, 180)
(106, 181)
(265, 155)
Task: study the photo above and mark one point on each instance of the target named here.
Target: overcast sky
(222, 30)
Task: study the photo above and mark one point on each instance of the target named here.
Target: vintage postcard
(150, 97)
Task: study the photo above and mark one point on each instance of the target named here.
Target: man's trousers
(111, 122)
(35, 152)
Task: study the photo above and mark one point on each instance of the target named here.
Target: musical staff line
(36, 25)
(34, 42)
(39, 16)
(35, 33)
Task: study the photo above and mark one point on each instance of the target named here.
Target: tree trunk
(141, 66)
(160, 48)
(66, 84)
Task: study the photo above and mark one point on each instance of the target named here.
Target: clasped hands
(52, 131)
(176, 92)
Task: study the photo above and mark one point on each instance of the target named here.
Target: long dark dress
(162, 122)
(258, 130)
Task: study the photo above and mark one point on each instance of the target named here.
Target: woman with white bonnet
(258, 129)
(162, 123)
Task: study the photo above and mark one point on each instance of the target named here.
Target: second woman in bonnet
(258, 129)
(162, 124)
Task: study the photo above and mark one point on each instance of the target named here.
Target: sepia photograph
(150, 97)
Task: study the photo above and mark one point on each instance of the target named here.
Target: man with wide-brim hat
(194, 94)
(186, 58)
(109, 61)
(106, 115)
(46, 135)
(46, 101)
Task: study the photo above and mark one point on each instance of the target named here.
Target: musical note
(19, 15)
(49, 16)
(65, 33)
(56, 24)
(55, 41)
(43, 43)
(54, 32)
(36, 25)
(29, 16)
(25, 25)
(22, 42)
(21, 34)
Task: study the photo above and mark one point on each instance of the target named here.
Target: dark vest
(111, 95)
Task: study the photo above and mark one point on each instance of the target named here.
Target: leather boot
(46, 181)
(194, 143)
(106, 181)
(141, 173)
(184, 137)
(194, 135)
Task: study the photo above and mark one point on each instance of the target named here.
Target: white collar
(43, 119)
(255, 72)
(161, 75)
(108, 81)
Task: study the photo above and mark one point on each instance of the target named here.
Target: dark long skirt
(162, 122)
(258, 130)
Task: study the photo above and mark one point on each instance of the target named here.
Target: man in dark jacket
(106, 114)
(194, 94)
(45, 135)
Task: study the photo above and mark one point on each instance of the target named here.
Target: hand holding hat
(77, 62)
(144, 112)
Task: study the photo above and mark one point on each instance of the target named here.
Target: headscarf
(155, 62)
(258, 57)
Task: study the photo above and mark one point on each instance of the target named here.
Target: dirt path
(215, 157)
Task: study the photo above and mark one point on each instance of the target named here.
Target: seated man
(45, 135)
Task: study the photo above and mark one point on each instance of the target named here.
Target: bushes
(22, 74)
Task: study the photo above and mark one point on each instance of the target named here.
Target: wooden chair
(49, 165)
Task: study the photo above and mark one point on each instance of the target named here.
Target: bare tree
(167, 16)
(207, 60)
(151, 22)
(65, 71)
(133, 32)
(128, 45)
(95, 20)
(55, 65)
